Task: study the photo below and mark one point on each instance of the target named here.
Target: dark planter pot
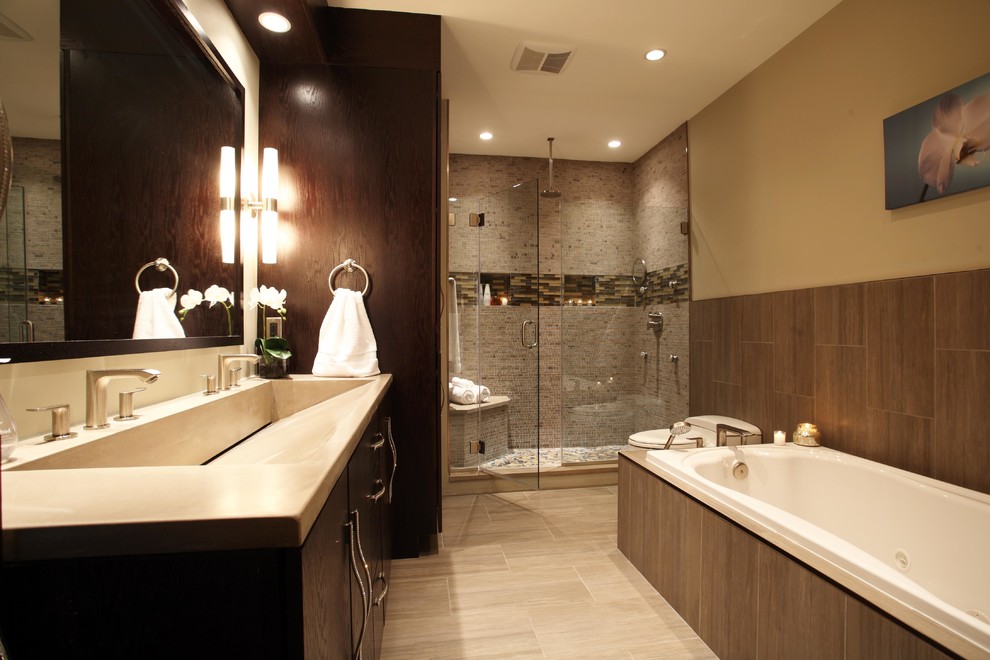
(276, 368)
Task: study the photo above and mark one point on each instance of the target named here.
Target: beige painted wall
(786, 168)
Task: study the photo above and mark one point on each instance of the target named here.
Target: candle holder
(807, 435)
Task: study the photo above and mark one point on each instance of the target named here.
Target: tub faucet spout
(96, 391)
(723, 430)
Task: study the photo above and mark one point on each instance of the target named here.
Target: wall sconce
(268, 206)
(228, 187)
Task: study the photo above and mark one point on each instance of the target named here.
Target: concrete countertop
(266, 495)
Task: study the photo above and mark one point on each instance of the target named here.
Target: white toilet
(703, 427)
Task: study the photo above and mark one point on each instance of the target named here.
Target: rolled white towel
(481, 392)
(462, 396)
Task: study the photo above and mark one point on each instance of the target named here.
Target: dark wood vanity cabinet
(370, 471)
(302, 602)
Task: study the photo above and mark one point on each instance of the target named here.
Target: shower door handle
(522, 335)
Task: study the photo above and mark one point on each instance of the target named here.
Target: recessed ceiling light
(451, 199)
(655, 54)
(486, 136)
(614, 144)
(274, 22)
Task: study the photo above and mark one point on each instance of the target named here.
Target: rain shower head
(550, 192)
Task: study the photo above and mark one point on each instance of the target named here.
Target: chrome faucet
(223, 363)
(723, 430)
(96, 391)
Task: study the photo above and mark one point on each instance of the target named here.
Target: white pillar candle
(779, 437)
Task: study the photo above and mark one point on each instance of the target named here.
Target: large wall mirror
(118, 110)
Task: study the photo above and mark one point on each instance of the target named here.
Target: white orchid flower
(960, 136)
(274, 299)
(268, 297)
(191, 299)
(218, 294)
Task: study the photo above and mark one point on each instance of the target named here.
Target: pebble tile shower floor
(523, 458)
(533, 574)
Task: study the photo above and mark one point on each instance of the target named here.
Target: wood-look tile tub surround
(744, 597)
(896, 371)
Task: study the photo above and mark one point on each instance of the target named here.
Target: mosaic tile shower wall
(31, 244)
(595, 387)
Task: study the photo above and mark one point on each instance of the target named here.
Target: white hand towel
(347, 343)
(462, 382)
(155, 317)
(461, 395)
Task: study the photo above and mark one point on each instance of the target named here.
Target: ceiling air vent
(533, 57)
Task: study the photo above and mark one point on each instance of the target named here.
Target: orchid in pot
(273, 348)
(213, 295)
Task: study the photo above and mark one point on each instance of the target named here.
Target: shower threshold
(550, 458)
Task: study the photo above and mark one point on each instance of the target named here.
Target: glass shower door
(508, 326)
(14, 323)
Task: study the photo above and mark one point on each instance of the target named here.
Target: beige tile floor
(531, 575)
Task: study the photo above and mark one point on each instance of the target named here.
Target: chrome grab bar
(395, 458)
(522, 335)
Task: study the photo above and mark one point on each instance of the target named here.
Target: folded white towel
(462, 396)
(155, 317)
(347, 343)
(481, 393)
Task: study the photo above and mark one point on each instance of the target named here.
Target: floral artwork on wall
(939, 147)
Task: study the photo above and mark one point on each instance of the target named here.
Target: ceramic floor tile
(417, 598)
(531, 574)
(543, 587)
(598, 628)
(610, 580)
(504, 634)
(452, 561)
(496, 533)
(549, 553)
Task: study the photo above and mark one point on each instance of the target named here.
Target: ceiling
(608, 90)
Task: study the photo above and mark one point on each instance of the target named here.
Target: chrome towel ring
(349, 265)
(161, 264)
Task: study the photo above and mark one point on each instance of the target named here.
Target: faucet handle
(232, 374)
(125, 409)
(211, 384)
(60, 421)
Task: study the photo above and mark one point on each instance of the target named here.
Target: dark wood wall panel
(894, 371)
(358, 169)
(141, 182)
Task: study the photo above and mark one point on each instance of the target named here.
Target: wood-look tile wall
(896, 371)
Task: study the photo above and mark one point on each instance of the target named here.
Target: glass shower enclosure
(495, 274)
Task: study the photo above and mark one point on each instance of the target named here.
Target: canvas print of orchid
(939, 147)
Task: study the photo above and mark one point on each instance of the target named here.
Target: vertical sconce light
(269, 206)
(228, 221)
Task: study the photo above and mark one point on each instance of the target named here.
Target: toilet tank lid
(709, 422)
